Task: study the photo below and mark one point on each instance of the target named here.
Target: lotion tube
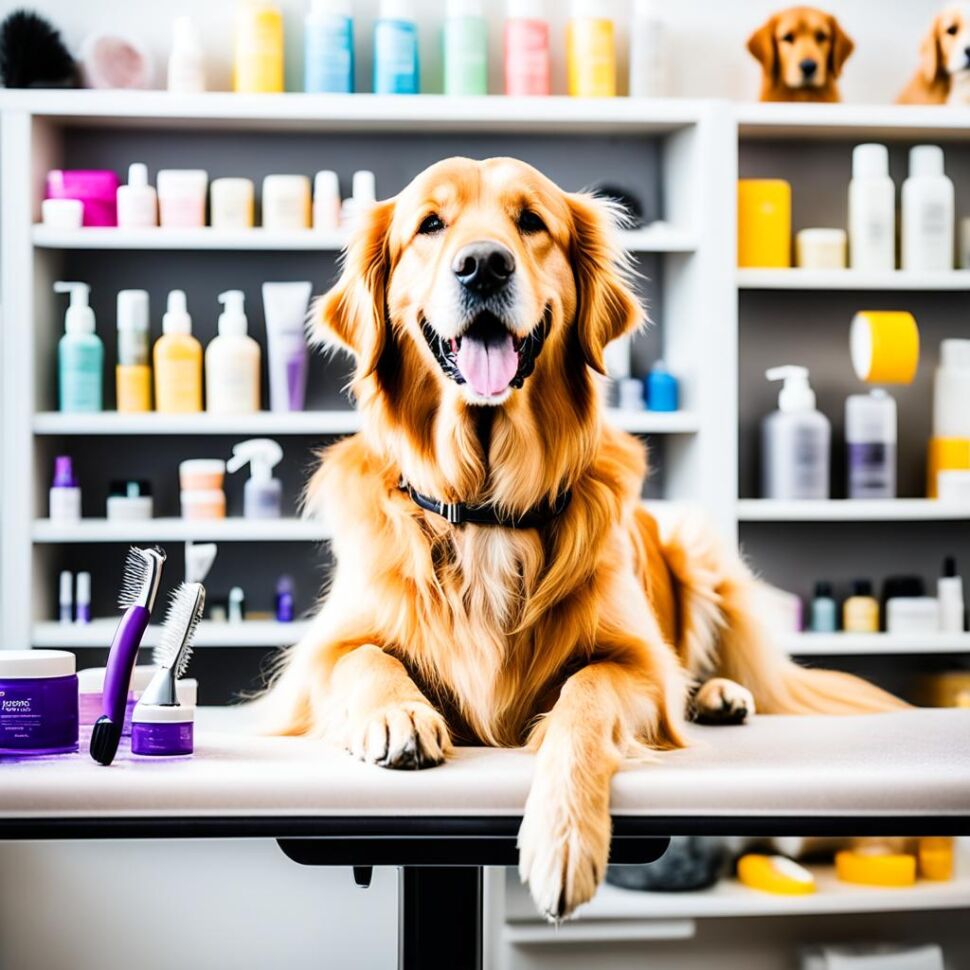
(285, 307)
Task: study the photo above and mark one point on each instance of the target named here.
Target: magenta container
(97, 190)
(38, 702)
(163, 732)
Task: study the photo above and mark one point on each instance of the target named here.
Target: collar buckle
(452, 511)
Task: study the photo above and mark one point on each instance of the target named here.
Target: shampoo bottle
(951, 390)
(795, 441)
(396, 49)
(232, 361)
(258, 55)
(133, 375)
(928, 212)
(80, 353)
(527, 59)
(186, 63)
(872, 210)
(326, 201)
(178, 361)
(465, 44)
(860, 612)
(590, 51)
(949, 592)
(870, 445)
(137, 201)
(329, 48)
(262, 494)
(648, 61)
(824, 614)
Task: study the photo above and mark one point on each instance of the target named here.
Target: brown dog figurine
(801, 51)
(943, 76)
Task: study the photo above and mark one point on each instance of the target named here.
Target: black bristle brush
(32, 54)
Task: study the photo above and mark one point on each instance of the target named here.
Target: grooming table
(906, 773)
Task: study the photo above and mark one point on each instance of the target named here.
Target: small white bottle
(795, 441)
(872, 210)
(137, 201)
(262, 494)
(362, 199)
(951, 390)
(326, 201)
(648, 53)
(928, 212)
(949, 592)
(232, 362)
(870, 445)
(186, 63)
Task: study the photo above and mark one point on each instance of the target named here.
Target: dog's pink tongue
(488, 367)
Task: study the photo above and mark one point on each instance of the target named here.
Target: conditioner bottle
(872, 210)
(232, 361)
(80, 353)
(178, 361)
(928, 212)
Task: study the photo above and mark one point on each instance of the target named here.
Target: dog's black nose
(483, 267)
(809, 67)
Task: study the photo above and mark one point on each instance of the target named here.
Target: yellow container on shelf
(775, 874)
(590, 52)
(884, 346)
(875, 868)
(764, 223)
(945, 454)
(258, 57)
(935, 856)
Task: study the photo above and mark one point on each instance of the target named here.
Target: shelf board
(850, 510)
(848, 279)
(99, 632)
(659, 238)
(179, 530)
(345, 421)
(873, 644)
(330, 112)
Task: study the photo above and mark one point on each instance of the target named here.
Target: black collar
(457, 513)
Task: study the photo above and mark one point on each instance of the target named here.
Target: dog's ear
(764, 47)
(931, 54)
(606, 306)
(352, 314)
(842, 46)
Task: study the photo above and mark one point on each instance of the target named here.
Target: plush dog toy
(801, 51)
(943, 76)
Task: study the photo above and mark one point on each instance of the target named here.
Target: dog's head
(801, 48)
(945, 50)
(480, 281)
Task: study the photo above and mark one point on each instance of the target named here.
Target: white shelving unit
(179, 530)
(851, 510)
(846, 279)
(99, 632)
(874, 644)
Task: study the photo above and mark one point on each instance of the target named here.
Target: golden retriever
(477, 304)
(943, 75)
(801, 51)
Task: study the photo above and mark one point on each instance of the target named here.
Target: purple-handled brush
(143, 573)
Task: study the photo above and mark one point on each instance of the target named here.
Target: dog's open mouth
(487, 356)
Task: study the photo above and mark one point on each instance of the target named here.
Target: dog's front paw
(722, 701)
(408, 736)
(564, 846)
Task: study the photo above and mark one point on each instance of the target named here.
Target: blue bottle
(825, 611)
(80, 354)
(396, 49)
(662, 389)
(329, 48)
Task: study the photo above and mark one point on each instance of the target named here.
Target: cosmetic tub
(208, 503)
(38, 702)
(162, 731)
(286, 202)
(953, 485)
(821, 249)
(91, 685)
(196, 474)
(913, 614)
(62, 213)
(285, 309)
(96, 189)
(129, 501)
(231, 203)
(181, 197)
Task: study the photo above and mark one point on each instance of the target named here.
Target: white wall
(707, 38)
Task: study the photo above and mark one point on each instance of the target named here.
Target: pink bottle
(96, 189)
(527, 62)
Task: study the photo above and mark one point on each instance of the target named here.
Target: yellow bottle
(178, 361)
(764, 223)
(258, 58)
(133, 376)
(860, 612)
(590, 52)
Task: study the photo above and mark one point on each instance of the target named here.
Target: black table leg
(440, 918)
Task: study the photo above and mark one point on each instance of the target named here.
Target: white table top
(911, 764)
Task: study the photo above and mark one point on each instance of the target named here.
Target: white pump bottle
(232, 362)
(262, 494)
(795, 441)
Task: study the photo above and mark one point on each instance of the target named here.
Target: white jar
(286, 202)
(231, 203)
(181, 197)
(928, 212)
(821, 248)
(872, 210)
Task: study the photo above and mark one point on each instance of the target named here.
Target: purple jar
(164, 732)
(97, 190)
(38, 702)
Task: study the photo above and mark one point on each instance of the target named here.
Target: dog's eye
(529, 223)
(431, 225)
(821, 38)
(788, 38)
(952, 29)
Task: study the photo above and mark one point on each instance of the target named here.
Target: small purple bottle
(65, 493)
(284, 599)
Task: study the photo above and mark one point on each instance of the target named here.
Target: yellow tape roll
(884, 346)
(875, 868)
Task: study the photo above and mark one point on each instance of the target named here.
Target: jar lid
(157, 714)
(36, 664)
(202, 466)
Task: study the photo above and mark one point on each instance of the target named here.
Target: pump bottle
(80, 353)
(795, 441)
(262, 494)
(232, 361)
(178, 361)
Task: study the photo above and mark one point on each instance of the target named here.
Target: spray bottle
(795, 441)
(80, 353)
(263, 494)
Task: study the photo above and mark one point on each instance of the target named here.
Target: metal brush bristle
(181, 622)
(142, 574)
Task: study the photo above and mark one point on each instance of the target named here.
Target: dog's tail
(725, 616)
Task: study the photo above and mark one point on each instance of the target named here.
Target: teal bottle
(465, 39)
(80, 354)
